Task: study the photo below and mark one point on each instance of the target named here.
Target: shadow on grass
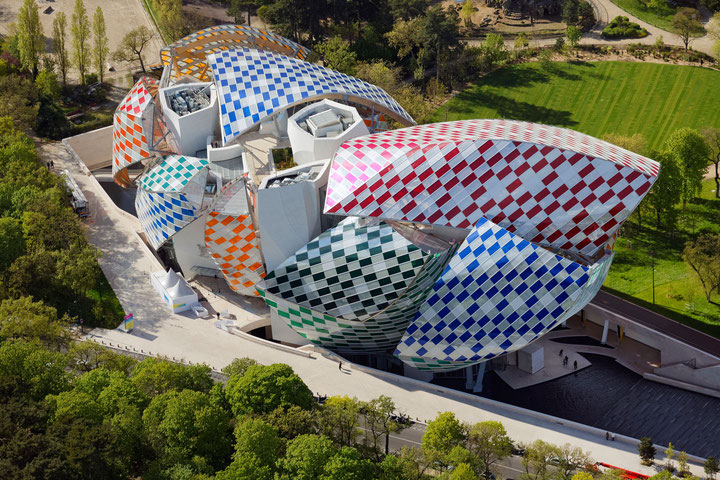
(505, 107)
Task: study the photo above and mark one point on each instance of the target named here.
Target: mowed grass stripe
(596, 97)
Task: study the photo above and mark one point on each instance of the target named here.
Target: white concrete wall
(288, 218)
(192, 130)
(190, 249)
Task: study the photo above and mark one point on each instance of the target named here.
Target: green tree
(47, 86)
(86, 355)
(378, 414)
(264, 388)
(407, 9)
(80, 28)
(59, 46)
(75, 405)
(291, 422)
(571, 459)
(703, 257)
(536, 460)
(77, 268)
(571, 12)
(467, 12)
(711, 467)
(683, 469)
(259, 440)
(686, 25)
(306, 456)
(338, 419)
(100, 43)
(22, 318)
(407, 38)
(12, 242)
(463, 472)
(489, 442)
(31, 371)
(646, 449)
(441, 435)
(667, 190)
(412, 463)
(347, 465)
(171, 20)
(132, 46)
(31, 42)
(181, 425)
(238, 366)
(582, 476)
(573, 35)
(238, 9)
(669, 455)
(154, 377)
(337, 55)
(18, 100)
(493, 51)
(712, 140)
(690, 151)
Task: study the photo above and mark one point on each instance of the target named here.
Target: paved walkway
(127, 266)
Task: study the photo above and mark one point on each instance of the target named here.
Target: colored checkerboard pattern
(172, 173)
(499, 293)
(254, 84)
(549, 185)
(352, 271)
(232, 243)
(163, 214)
(129, 140)
(336, 333)
(190, 51)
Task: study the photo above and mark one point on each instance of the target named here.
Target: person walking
(575, 365)
(607, 435)
(340, 366)
(565, 361)
(561, 350)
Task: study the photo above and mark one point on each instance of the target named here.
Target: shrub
(622, 27)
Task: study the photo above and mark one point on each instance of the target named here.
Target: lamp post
(652, 264)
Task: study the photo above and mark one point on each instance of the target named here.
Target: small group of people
(566, 360)
(51, 165)
(609, 436)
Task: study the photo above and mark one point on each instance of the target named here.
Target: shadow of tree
(508, 108)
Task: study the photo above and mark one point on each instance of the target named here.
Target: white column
(478, 383)
(605, 332)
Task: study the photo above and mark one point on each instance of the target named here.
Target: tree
(467, 12)
(291, 422)
(573, 34)
(463, 472)
(18, 100)
(570, 459)
(22, 318)
(337, 55)
(59, 46)
(254, 437)
(80, 28)
(489, 442)
(667, 190)
(238, 366)
(306, 456)
(406, 37)
(30, 36)
(686, 25)
(536, 460)
(378, 415)
(493, 50)
(712, 140)
(170, 18)
(47, 86)
(637, 143)
(571, 12)
(646, 449)
(12, 242)
(441, 435)
(264, 388)
(181, 425)
(582, 476)
(77, 268)
(347, 464)
(132, 46)
(711, 467)
(407, 9)
(703, 256)
(100, 43)
(683, 469)
(154, 377)
(238, 8)
(669, 455)
(691, 152)
(32, 371)
(338, 420)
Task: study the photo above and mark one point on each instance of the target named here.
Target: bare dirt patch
(488, 19)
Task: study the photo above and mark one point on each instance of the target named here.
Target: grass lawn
(596, 98)
(678, 293)
(638, 9)
(624, 98)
